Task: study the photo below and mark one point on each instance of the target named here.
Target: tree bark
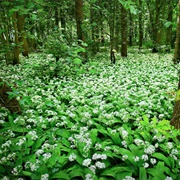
(21, 32)
(169, 29)
(79, 23)
(175, 121)
(16, 51)
(123, 32)
(140, 25)
(130, 29)
(94, 30)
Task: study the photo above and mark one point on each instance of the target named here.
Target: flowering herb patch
(95, 121)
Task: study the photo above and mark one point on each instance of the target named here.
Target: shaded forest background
(77, 30)
(96, 25)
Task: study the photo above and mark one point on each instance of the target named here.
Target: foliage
(58, 46)
(106, 123)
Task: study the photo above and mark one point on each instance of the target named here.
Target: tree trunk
(94, 31)
(117, 30)
(175, 121)
(169, 29)
(63, 22)
(21, 32)
(140, 25)
(130, 29)
(79, 23)
(112, 29)
(16, 59)
(123, 32)
(79, 19)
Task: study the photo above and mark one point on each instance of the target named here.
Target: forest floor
(91, 121)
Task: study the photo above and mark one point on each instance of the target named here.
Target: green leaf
(2, 170)
(142, 174)
(76, 173)
(93, 135)
(38, 143)
(168, 24)
(79, 159)
(84, 44)
(66, 142)
(77, 61)
(11, 120)
(60, 175)
(122, 175)
(128, 153)
(14, 129)
(26, 173)
(160, 167)
(118, 169)
(162, 157)
(33, 17)
(63, 133)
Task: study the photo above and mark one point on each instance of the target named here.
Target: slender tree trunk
(94, 31)
(130, 29)
(140, 25)
(175, 121)
(21, 32)
(16, 59)
(123, 32)
(169, 29)
(79, 19)
(56, 16)
(112, 33)
(63, 22)
(117, 30)
(79, 23)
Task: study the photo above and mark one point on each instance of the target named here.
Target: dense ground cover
(95, 121)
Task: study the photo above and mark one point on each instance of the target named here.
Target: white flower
(21, 141)
(161, 116)
(136, 158)
(5, 178)
(96, 156)
(168, 178)
(72, 157)
(46, 156)
(99, 156)
(150, 149)
(174, 151)
(6, 144)
(113, 131)
(124, 134)
(98, 146)
(88, 177)
(100, 165)
(45, 177)
(107, 148)
(128, 178)
(124, 157)
(146, 165)
(153, 161)
(34, 166)
(139, 142)
(156, 145)
(124, 143)
(33, 135)
(86, 162)
(2, 122)
(145, 157)
(103, 156)
(169, 145)
(93, 168)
